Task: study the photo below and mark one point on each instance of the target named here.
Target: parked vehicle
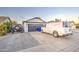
(17, 28)
(57, 29)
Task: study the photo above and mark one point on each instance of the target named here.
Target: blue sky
(43, 12)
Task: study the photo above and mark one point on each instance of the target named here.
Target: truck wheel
(12, 31)
(55, 34)
(22, 31)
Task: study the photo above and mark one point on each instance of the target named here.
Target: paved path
(16, 42)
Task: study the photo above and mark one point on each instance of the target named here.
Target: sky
(46, 13)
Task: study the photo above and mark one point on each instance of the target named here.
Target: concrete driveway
(39, 42)
(51, 44)
(16, 42)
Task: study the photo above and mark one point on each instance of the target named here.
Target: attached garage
(34, 27)
(33, 24)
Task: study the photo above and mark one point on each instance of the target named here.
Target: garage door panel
(33, 27)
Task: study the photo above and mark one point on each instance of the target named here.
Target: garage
(34, 27)
(33, 24)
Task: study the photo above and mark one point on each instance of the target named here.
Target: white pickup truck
(58, 28)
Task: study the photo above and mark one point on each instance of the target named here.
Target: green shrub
(5, 28)
(2, 33)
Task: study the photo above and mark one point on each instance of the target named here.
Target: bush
(5, 28)
(2, 33)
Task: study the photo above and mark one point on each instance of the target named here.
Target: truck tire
(22, 31)
(12, 31)
(55, 34)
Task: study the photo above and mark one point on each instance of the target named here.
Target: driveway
(39, 42)
(51, 44)
(16, 42)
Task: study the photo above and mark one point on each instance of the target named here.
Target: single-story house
(4, 19)
(33, 24)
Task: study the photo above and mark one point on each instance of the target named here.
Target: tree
(57, 20)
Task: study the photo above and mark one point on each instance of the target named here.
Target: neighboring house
(4, 19)
(33, 24)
